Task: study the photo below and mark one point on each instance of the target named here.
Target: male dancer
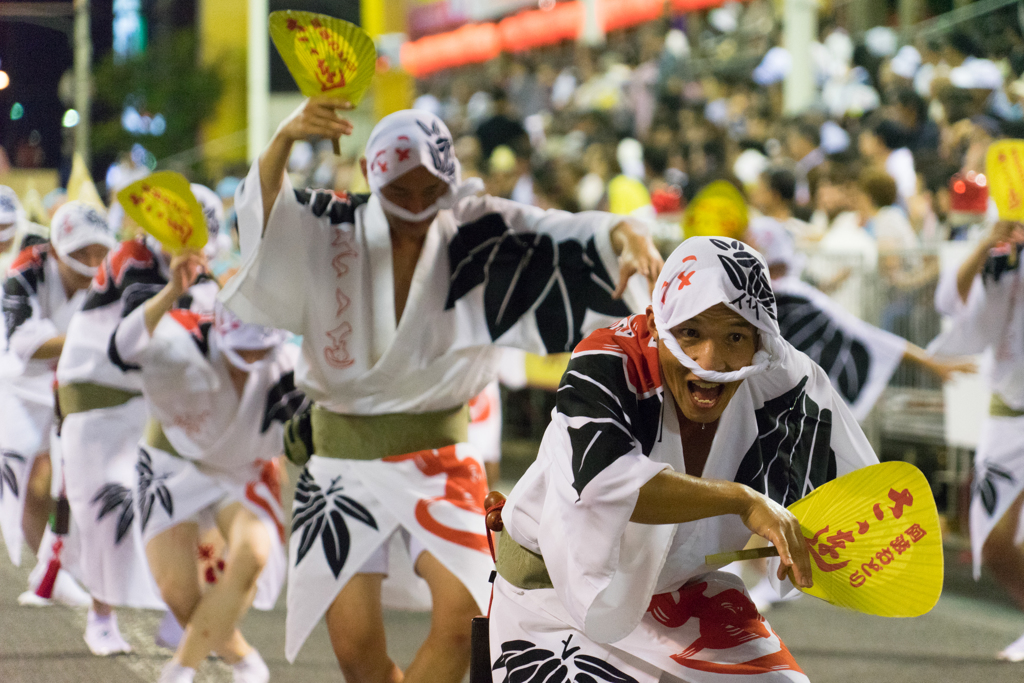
(985, 298)
(45, 286)
(219, 392)
(104, 415)
(676, 435)
(400, 297)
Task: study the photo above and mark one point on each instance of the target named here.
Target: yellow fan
(163, 204)
(874, 540)
(1004, 167)
(325, 56)
(718, 210)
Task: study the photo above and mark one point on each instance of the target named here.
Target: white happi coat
(992, 319)
(858, 358)
(36, 309)
(490, 272)
(223, 441)
(101, 444)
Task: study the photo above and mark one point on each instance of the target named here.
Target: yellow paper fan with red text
(1004, 168)
(874, 541)
(326, 56)
(164, 206)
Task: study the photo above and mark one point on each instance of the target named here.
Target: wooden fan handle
(739, 555)
(337, 147)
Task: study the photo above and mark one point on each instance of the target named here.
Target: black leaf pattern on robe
(524, 662)
(318, 513)
(8, 478)
(985, 486)
(152, 488)
(523, 271)
(792, 454)
(113, 497)
(844, 359)
(283, 402)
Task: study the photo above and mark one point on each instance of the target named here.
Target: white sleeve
(976, 323)
(131, 338)
(269, 288)
(26, 327)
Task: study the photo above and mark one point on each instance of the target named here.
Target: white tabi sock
(176, 673)
(251, 669)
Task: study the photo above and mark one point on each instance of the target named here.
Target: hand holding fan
(874, 540)
(163, 204)
(325, 56)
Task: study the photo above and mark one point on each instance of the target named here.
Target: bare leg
(356, 626)
(1004, 558)
(444, 656)
(38, 503)
(213, 622)
(493, 471)
(172, 560)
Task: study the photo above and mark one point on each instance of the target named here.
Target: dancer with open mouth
(677, 434)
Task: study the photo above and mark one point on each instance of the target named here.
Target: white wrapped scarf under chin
(233, 335)
(695, 278)
(408, 139)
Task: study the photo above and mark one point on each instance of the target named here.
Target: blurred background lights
(70, 119)
(17, 111)
(5, 80)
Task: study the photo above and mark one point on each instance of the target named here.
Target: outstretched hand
(771, 521)
(945, 368)
(185, 268)
(637, 254)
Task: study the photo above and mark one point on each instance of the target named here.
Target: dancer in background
(218, 392)
(45, 286)
(984, 296)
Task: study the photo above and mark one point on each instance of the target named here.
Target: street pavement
(956, 642)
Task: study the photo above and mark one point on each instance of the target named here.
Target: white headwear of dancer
(706, 271)
(10, 213)
(76, 225)
(409, 138)
(233, 336)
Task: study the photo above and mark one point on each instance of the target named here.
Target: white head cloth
(409, 138)
(75, 225)
(10, 213)
(233, 335)
(705, 271)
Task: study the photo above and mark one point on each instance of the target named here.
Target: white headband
(404, 140)
(706, 271)
(75, 225)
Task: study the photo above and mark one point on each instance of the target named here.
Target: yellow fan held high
(163, 204)
(874, 541)
(325, 56)
(1004, 169)
(718, 210)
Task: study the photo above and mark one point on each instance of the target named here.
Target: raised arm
(316, 117)
(184, 269)
(1003, 231)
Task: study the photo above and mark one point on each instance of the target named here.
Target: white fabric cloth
(892, 230)
(707, 632)
(720, 271)
(100, 449)
(485, 424)
(900, 165)
(24, 433)
(76, 225)
(345, 510)
(858, 358)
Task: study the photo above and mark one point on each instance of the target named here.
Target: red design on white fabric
(465, 488)
(727, 620)
(480, 407)
(191, 424)
(343, 301)
(403, 154)
(128, 254)
(336, 355)
(340, 267)
(378, 164)
(269, 482)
